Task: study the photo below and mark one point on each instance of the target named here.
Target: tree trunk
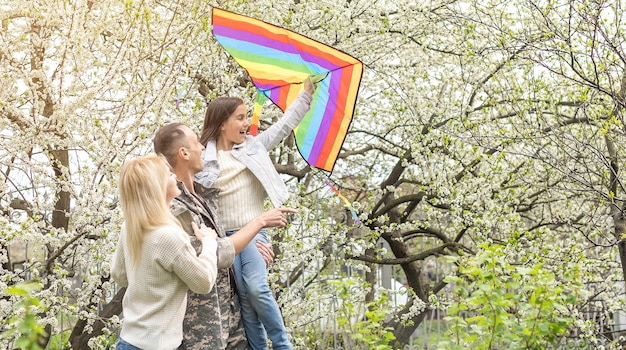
(79, 339)
(60, 216)
(621, 245)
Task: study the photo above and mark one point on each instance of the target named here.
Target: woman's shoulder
(169, 233)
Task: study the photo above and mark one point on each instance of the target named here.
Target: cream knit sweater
(156, 296)
(241, 194)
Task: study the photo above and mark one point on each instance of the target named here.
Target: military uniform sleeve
(225, 252)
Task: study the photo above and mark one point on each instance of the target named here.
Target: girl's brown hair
(216, 114)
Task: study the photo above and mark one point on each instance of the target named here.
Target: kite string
(348, 204)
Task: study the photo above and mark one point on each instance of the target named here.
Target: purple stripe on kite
(275, 95)
(270, 86)
(264, 41)
(328, 116)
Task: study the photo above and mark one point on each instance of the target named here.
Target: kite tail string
(256, 112)
(348, 204)
(183, 88)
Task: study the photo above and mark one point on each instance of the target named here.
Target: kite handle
(318, 77)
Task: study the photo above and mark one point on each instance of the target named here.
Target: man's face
(194, 150)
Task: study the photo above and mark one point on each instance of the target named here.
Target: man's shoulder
(180, 208)
(208, 194)
(179, 205)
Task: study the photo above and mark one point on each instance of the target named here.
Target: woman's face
(235, 128)
(172, 187)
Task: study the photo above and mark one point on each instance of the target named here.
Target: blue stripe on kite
(261, 41)
(292, 61)
(316, 119)
(277, 45)
(254, 50)
(328, 117)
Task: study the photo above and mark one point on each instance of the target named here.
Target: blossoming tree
(482, 131)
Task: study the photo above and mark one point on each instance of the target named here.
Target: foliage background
(487, 141)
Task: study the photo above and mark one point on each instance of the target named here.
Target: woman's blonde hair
(143, 187)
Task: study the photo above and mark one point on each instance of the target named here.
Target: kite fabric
(278, 61)
(256, 112)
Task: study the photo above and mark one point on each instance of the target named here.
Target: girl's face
(172, 187)
(235, 128)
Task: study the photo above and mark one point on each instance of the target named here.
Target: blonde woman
(154, 258)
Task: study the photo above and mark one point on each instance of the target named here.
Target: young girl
(240, 167)
(154, 258)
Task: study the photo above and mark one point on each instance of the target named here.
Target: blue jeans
(124, 345)
(259, 309)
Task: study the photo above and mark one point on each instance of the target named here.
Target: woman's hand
(203, 231)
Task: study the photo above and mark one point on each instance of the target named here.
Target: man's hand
(266, 252)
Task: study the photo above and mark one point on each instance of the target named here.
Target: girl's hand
(266, 252)
(309, 86)
(275, 217)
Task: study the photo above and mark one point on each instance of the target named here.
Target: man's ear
(182, 153)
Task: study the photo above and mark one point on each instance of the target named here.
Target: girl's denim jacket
(253, 152)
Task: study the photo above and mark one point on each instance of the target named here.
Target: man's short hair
(168, 140)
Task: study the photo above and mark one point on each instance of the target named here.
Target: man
(212, 321)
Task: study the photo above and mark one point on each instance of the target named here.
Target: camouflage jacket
(213, 320)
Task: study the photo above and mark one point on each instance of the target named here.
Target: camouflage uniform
(212, 321)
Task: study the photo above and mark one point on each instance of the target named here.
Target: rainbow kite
(278, 61)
